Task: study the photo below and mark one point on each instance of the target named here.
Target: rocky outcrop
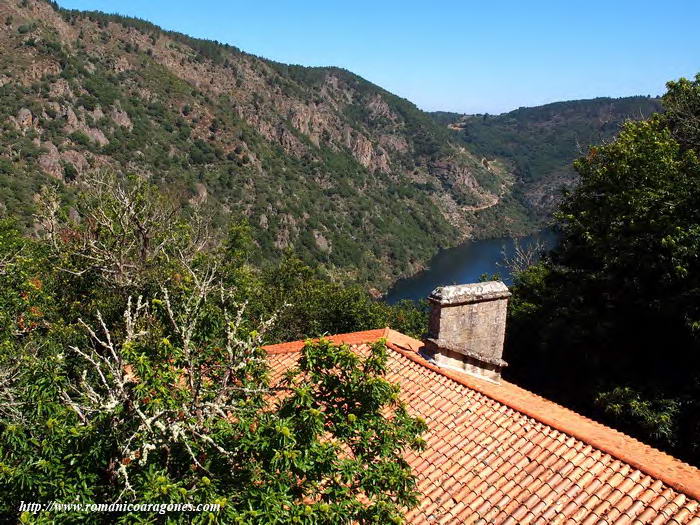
(121, 118)
(371, 157)
(121, 64)
(308, 121)
(53, 162)
(200, 197)
(60, 89)
(321, 241)
(50, 161)
(396, 143)
(97, 136)
(378, 108)
(72, 122)
(75, 123)
(77, 159)
(24, 119)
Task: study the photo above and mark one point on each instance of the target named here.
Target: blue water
(465, 263)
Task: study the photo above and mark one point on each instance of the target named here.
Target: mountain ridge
(353, 179)
(541, 142)
(86, 91)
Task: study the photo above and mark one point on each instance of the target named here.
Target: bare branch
(523, 256)
(126, 230)
(104, 391)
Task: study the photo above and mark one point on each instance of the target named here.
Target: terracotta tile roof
(501, 454)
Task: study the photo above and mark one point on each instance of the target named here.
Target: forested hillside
(542, 142)
(353, 179)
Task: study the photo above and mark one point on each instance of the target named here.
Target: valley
(352, 179)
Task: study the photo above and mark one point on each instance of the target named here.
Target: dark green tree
(610, 321)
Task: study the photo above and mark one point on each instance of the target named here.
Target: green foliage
(69, 172)
(616, 308)
(80, 138)
(543, 141)
(205, 49)
(509, 218)
(539, 144)
(428, 138)
(658, 417)
(130, 369)
(682, 110)
(18, 292)
(26, 28)
(102, 88)
(318, 307)
(366, 235)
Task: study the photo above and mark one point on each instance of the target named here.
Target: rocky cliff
(318, 160)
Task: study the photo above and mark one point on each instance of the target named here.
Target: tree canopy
(609, 322)
(131, 371)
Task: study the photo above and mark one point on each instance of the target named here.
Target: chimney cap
(469, 293)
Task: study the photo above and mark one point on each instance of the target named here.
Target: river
(465, 263)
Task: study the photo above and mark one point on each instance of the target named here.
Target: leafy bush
(26, 28)
(80, 138)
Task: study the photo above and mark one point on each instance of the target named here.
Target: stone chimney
(467, 327)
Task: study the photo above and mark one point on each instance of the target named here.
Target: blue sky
(467, 56)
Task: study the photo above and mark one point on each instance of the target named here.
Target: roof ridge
(658, 464)
(350, 338)
(672, 471)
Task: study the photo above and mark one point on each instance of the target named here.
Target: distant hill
(541, 142)
(352, 178)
